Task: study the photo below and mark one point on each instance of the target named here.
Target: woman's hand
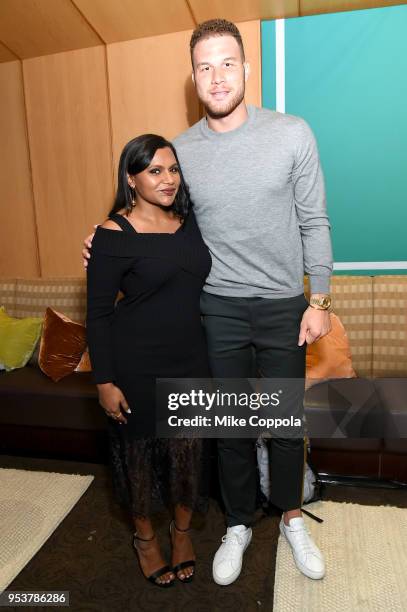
(111, 399)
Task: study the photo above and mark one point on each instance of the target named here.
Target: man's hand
(112, 400)
(88, 245)
(314, 325)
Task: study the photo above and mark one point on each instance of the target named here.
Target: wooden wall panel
(150, 88)
(31, 27)
(70, 144)
(125, 20)
(243, 10)
(250, 32)
(312, 7)
(6, 55)
(19, 251)
(279, 9)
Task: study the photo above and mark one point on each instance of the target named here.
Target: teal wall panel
(346, 74)
(268, 64)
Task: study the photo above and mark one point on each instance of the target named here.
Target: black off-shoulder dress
(153, 331)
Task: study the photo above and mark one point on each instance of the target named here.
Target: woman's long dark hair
(136, 157)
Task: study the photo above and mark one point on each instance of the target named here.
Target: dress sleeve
(104, 276)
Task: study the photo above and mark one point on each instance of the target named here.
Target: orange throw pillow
(84, 365)
(62, 344)
(330, 357)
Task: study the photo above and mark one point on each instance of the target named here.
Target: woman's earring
(133, 196)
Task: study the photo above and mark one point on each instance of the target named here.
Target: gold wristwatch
(321, 303)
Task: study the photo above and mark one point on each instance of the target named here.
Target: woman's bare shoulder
(112, 225)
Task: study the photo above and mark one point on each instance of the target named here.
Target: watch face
(324, 302)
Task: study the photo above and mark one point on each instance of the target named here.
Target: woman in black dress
(152, 251)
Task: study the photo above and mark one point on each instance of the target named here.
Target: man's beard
(220, 113)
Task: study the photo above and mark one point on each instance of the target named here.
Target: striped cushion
(68, 296)
(386, 346)
(390, 326)
(352, 301)
(7, 295)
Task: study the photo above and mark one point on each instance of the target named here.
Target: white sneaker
(307, 556)
(227, 563)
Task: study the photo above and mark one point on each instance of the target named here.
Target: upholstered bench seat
(39, 415)
(29, 398)
(344, 408)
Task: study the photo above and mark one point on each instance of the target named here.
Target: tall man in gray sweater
(259, 199)
(258, 196)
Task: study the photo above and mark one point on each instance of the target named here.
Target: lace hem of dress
(149, 473)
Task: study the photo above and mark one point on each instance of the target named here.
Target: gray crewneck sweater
(259, 199)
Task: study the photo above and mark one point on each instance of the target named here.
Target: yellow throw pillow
(18, 339)
(62, 343)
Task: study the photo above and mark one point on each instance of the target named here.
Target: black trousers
(249, 337)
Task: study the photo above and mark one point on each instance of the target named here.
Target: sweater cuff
(319, 284)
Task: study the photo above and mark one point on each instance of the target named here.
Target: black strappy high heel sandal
(183, 564)
(157, 574)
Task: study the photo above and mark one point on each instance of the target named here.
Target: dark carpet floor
(90, 553)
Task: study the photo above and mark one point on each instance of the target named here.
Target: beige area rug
(365, 549)
(32, 504)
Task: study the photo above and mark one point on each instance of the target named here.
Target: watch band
(321, 303)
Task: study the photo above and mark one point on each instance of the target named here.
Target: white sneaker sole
(236, 573)
(303, 569)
